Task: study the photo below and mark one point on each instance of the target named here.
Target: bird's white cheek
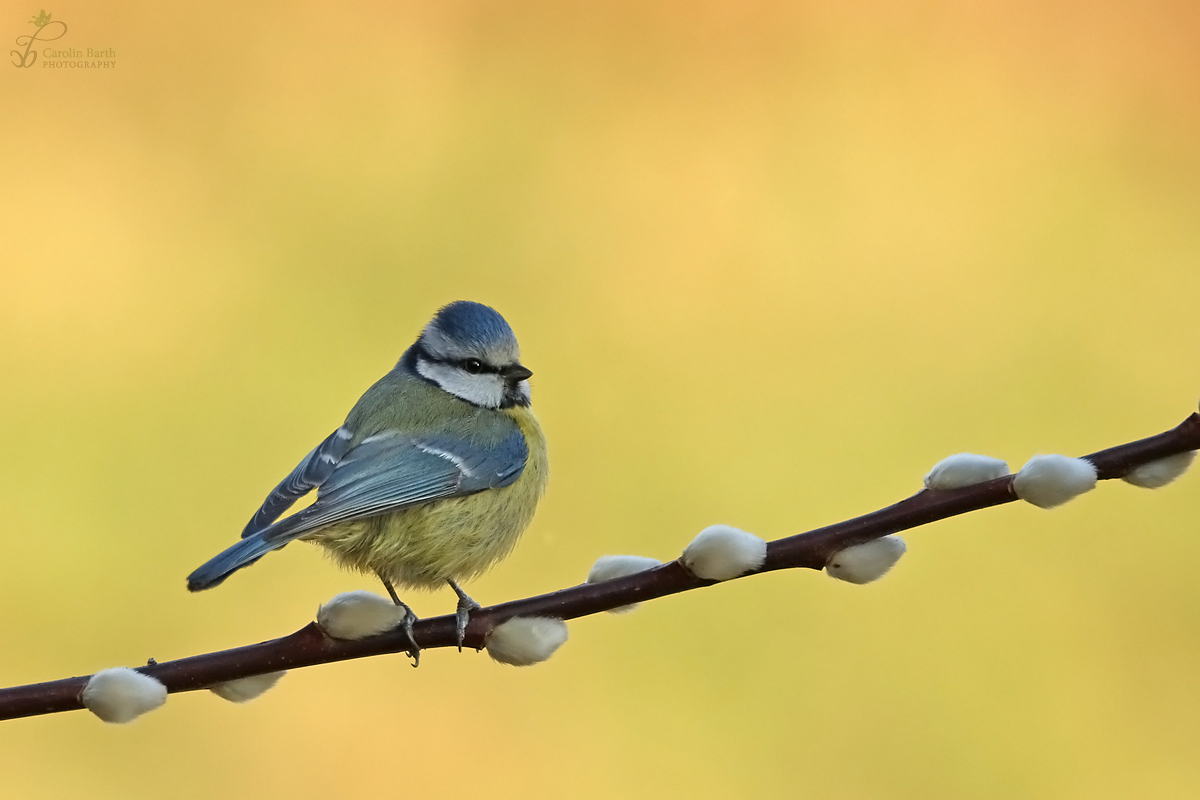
(482, 390)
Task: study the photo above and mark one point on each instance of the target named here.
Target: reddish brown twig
(309, 645)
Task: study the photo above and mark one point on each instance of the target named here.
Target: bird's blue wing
(310, 473)
(386, 472)
(392, 470)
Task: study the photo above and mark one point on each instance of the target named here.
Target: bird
(432, 478)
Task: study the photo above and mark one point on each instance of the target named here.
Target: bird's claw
(409, 618)
(462, 614)
(415, 651)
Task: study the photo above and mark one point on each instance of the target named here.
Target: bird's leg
(407, 624)
(462, 614)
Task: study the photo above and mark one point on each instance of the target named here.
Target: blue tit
(432, 478)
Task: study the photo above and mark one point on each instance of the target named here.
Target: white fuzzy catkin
(1158, 474)
(523, 641)
(720, 552)
(121, 694)
(1051, 480)
(866, 562)
(358, 614)
(241, 690)
(964, 469)
(607, 568)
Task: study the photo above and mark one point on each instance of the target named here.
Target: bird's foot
(462, 615)
(409, 618)
(415, 651)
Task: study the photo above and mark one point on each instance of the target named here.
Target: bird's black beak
(515, 373)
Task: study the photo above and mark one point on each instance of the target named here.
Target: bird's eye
(473, 366)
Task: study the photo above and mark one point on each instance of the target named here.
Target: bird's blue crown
(470, 324)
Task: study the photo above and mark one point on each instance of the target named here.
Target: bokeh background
(769, 262)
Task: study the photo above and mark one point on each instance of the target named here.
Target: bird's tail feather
(224, 564)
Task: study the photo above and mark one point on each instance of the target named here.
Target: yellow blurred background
(769, 263)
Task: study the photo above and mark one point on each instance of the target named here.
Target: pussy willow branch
(811, 550)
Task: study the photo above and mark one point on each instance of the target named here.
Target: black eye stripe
(459, 363)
